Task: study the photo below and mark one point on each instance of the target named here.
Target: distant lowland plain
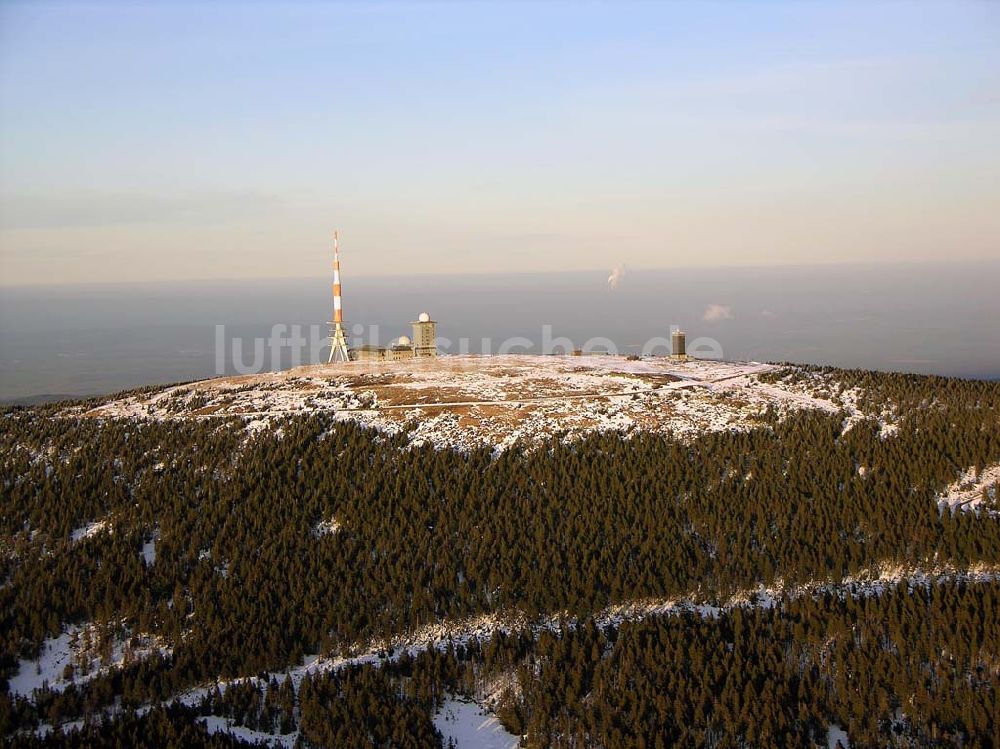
(71, 341)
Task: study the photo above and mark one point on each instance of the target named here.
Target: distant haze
(916, 318)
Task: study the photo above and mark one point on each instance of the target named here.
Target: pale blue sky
(213, 140)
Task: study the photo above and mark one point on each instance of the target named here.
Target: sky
(173, 140)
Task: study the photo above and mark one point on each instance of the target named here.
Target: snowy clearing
(470, 402)
(81, 653)
(468, 726)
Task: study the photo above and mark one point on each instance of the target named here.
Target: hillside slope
(335, 555)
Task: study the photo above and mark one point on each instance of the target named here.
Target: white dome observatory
(424, 336)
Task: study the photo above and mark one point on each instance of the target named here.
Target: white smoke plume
(617, 274)
(718, 312)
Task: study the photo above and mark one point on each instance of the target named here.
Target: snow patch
(971, 488)
(327, 527)
(215, 724)
(834, 734)
(90, 530)
(149, 548)
(468, 726)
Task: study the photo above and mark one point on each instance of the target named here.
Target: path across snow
(442, 634)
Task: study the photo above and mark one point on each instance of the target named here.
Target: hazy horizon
(628, 269)
(932, 318)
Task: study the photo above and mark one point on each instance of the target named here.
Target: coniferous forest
(315, 536)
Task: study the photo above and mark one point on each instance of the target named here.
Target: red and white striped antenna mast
(338, 341)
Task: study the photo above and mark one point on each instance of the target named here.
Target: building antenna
(338, 341)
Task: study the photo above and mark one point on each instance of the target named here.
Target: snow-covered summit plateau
(467, 402)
